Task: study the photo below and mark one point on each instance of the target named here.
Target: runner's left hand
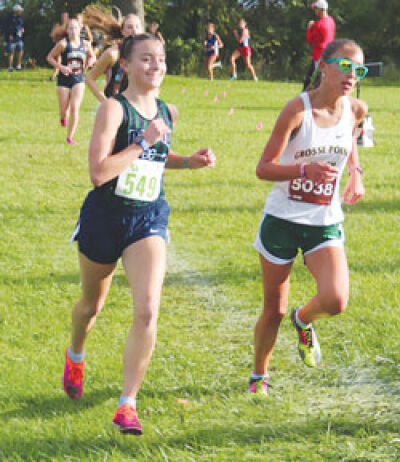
(354, 189)
(203, 158)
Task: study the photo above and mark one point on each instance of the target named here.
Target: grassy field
(193, 403)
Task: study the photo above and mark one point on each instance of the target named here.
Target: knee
(90, 308)
(74, 109)
(146, 315)
(274, 311)
(334, 303)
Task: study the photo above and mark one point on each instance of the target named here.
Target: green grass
(347, 410)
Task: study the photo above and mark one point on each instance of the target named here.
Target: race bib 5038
(305, 190)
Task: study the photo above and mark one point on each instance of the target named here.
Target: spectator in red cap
(319, 34)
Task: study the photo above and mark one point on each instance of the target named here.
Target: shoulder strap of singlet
(347, 116)
(127, 116)
(307, 118)
(306, 101)
(164, 112)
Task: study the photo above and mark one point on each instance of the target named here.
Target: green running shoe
(308, 346)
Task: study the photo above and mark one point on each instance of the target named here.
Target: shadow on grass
(312, 431)
(49, 407)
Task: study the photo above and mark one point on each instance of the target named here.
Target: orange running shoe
(73, 377)
(126, 419)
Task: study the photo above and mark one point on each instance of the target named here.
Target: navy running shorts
(71, 80)
(106, 226)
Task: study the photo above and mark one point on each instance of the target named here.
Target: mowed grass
(193, 403)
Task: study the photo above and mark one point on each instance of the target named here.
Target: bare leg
(20, 54)
(77, 92)
(96, 280)
(276, 290)
(235, 55)
(10, 60)
(63, 94)
(210, 66)
(330, 271)
(247, 61)
(144, 263)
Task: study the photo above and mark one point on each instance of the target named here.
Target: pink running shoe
(126, 419)
(73, 377)
(70, 141)
(258, 386)
(63, 122)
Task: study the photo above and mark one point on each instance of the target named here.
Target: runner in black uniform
(76, 54)
(126, 216)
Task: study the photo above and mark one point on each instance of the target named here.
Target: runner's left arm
(354, 189)
(202, 158)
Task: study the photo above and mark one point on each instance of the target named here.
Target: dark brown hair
(130, 42)
(334, 46)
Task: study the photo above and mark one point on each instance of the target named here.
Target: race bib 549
(141, 181)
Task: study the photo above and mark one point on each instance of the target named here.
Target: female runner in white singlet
(312, 142)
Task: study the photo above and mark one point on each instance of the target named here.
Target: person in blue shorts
(212, 45)
(126, 216)
(313, 140)
(76, 55)
(13, 34)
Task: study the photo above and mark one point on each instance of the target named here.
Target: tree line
(278, 28)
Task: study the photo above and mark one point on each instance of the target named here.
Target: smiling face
(146, 66)
(339, 82)
(132, 26)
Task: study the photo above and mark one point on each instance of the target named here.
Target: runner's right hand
(65, 70)
(320, 172)
(156, 130)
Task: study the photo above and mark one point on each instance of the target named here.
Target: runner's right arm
(105, 62)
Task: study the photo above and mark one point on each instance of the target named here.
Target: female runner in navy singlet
(76, 55)
(126, 216)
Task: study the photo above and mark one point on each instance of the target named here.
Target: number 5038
(308, 186)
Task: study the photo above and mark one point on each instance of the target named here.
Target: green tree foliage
(278, 29)
(39, 18)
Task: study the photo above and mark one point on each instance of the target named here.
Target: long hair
(101, 19)
(58, 32)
